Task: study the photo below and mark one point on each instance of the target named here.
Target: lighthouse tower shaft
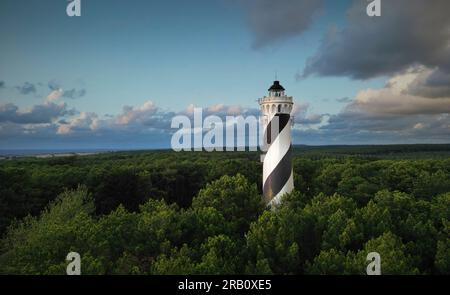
(278, 177)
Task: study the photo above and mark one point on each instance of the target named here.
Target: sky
(115, 76)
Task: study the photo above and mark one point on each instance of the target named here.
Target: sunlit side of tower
(276, 111)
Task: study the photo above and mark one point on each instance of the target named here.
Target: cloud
(57, 91)
(52, 125)
(408, 33)
(301, 115)
(135, 121)
(396, 99)
(55, 95)
(345, 99)
(74, 93)
(346, 128)
(142, 115)
(273, 21)
(310, 119)
(85, 121)
(431, 83)
(54, 85)
(385, 102)
(27, 88)
(222, 111)
(343, 130)
(368, 118)
(38, 114)
(387, 115)
(2, 84)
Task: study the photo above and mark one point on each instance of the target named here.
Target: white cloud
(391, 114)
(84, 121)
(55, 95)
(140, 114)
(396, 99)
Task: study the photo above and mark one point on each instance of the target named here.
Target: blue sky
(179, 53)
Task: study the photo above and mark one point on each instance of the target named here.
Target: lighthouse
(278, 177)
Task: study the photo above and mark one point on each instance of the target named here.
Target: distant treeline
(400, 151)
(190, 212)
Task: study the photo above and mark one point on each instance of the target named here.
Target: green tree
(335, 235)
(329, 262)
(442, 259)
(395, 258)
(39, 245)
(271, 244)
(178, 262)
(235, 198)
(220, 256)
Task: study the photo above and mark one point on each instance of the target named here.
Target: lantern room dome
(276, 86)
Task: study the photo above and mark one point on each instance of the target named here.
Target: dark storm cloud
(408, 33)
(273, 21)
(431, 84)
(26, 88)
(39, 114)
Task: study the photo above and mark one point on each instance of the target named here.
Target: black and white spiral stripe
(277, 166)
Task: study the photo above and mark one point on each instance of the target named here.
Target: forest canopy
(202, 213)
